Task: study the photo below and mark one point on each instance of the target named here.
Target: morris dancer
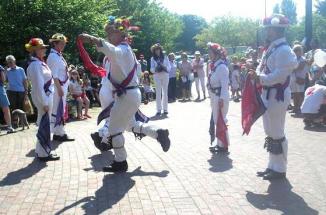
(218, 88)
(273, 73)
(126, 92)
(42, 96)
(59, 68)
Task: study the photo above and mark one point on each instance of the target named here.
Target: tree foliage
(229, 31)
(289, 9)
(321, 7)
(193, 25)
(23, 19)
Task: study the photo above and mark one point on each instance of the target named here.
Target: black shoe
(218, 149)
(263, 173)
(272, 175)
(49, 158)
(96, 138)
(165, 113)
(116, 167)
(158, 114)
(63, 138)
(163, 139)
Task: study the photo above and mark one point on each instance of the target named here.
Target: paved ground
(186, 180)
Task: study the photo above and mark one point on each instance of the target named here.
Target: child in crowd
(148, 90)
(79, 95)
(235, 82)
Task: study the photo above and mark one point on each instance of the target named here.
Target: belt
(119, 92)
(216, 90)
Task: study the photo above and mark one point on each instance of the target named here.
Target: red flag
(88, 63)
(252, 106)
(221, 130)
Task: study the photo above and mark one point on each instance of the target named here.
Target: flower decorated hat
(276, 20)
(121, 24)
(58, 37)
(34, 44)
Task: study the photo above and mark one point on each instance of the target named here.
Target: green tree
(321, 7)
(276, 9)
(229, 31)
(193, 25)
(42, 18)
(289, 9)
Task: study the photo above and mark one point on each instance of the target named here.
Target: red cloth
(88, 63)
(221, 129)
(252, 107)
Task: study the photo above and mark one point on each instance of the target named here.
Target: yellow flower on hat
(58, 37)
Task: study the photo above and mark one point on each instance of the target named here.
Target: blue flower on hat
(111, 20)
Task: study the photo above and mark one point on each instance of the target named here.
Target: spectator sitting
(4, 102)
(79, 95)
(17, 84)
(88, 89)
(95, 84)
(148, 90)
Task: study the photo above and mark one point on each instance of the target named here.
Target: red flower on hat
(34, 42)
(125, 23)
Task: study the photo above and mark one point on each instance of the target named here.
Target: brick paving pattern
(186, 180)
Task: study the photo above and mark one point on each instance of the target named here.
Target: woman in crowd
(173, 78)
(160, 67)
(218, 84)
(17, 84)
(199, 74)
(298, 77)
(185, 68)
(79, 95)
(40, 76)
(4, 101)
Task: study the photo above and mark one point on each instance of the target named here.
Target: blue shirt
(16, 77)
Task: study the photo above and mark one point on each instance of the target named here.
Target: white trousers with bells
(274, 126)
(106, 98)
(216, 110)
(59, 129)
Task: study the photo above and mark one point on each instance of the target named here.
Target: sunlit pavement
(186, 180)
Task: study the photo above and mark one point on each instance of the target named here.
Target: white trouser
(59, 129)
(216, 111)
(42, 151)
(106, 98)
(274, 123)
(122, 113)
(200, 79)
(161, 83)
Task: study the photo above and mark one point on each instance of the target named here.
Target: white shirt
(220, 78)
(107, 66)
(59, 67)
(281, 63)
(154, 64)
(75, 88)
(39, 74)
(200, 69)
(173, 69)
(314, 97)
(122, 61)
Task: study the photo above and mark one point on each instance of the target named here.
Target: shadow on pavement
(100, 160)
(156, 118)
(220, 163)
(114, 188)
(316, 129)
(17, 176)
(280, 197)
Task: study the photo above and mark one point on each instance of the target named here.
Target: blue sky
(212, 8)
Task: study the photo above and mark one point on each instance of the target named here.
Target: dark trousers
(16, 99)
(172, 90)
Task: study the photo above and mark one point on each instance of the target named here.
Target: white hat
(320, 58)
(197, 53)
